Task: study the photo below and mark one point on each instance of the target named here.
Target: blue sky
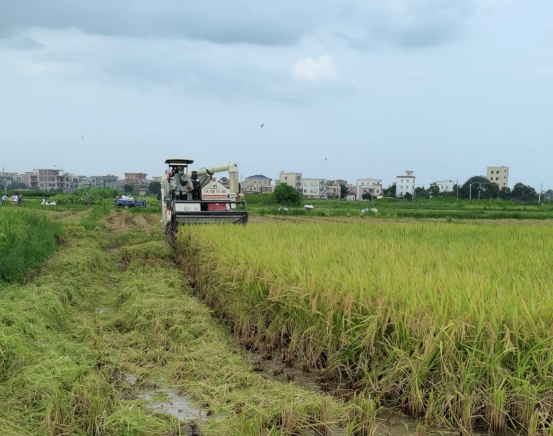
(440, 87)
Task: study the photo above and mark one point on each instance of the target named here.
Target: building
(335, 188)
(292, 179)
(137, 180)
(368, 185)
(499, 175)
(223, 181)
(74, 181)
(7, 178)
(445, 185)
(548, 195)
(314, 188)
(109, 181)
(258, 184)
(405, 184)
(46, 179)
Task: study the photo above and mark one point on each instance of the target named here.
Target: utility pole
(457, 189)
(541, 189)
(470, 189)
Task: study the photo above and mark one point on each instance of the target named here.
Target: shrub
(287, 195)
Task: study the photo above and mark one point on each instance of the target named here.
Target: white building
(405, 184)
(315, 188)
(370, 185)
(445, 185)
(292, 179)
(499, 175)
(257, 184)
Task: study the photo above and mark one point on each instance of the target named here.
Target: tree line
(476, 187)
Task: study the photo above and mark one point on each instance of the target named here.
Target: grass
(27, 238)
(451, 322)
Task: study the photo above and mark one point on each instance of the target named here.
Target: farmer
(4, 198)
(182, 185)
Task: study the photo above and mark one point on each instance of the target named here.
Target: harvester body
(193, 197)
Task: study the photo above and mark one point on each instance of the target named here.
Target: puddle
(131, 379)
(169, 401)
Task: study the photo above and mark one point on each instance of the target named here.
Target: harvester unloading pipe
(231, 167)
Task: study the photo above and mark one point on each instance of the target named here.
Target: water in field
(169, 401)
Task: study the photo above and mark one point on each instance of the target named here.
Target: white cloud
(317, 71)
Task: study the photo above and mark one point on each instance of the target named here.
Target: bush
(286, 195)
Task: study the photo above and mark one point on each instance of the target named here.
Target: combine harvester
(195, 198)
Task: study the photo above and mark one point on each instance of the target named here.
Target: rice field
(27, 238)
(451, 322)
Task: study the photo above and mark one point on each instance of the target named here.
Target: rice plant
(451, 322)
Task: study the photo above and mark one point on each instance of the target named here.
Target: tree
(343, 191)
(408, 196)
(367, 196)
(16, 185)
(287, 195)
(433, 190)
(504, 193)
(154, 188)
(390, 191)
(420, 192)
(129, 189)
(523, 192)
(466, 191)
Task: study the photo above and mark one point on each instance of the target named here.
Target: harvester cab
(194, 197)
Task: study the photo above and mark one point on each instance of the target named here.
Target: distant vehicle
(125, 204)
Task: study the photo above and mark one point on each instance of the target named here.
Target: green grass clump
(27, 238)
(453, 323)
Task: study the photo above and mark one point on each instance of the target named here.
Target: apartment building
(74, 181)
(499, 175)
(405, 184)
(292, 179)
(368, 185)
(335, 188)
(445, 185)
(7, 178)
(46, 179)
(257, 184)
(137, 180)
(314, 188)
(109, 181)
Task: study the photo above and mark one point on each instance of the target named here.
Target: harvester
(194, 197)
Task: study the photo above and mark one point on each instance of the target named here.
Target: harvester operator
(181, 184)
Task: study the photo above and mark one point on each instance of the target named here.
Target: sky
(345, 88)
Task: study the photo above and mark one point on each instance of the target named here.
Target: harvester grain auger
(194, 197)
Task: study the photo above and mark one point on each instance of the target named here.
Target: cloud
(21, 41)
(406, 23)
(315, 71)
